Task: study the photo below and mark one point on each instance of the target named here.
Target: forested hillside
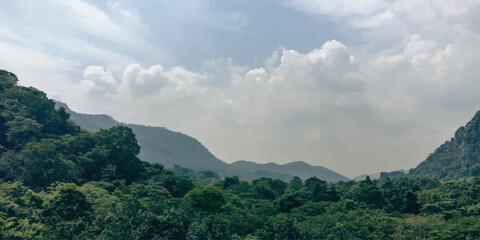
(456, 158)
(40, 145)
(169, 148)
(60, 182)
(158, 144)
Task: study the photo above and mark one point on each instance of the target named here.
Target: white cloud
(139, 81)
(373, 21)
(318, 70)
(257, 74)
(97, 81)
(339, 7)
(129, 17)
(373, 13)
(90, 19)
(169, 85)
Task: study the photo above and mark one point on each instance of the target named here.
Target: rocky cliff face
(457, 158)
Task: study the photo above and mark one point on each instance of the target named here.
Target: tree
(367, 192)
(22, 130)
(400, 195)
(229, 181)
(279, 227)
(11, 165)
(411, 204)
(124, 221)
(320, 191)
(210, 227)
(123, 150)
(44, 164)
(68, 213)
(295, 184)
(182, 186)
(207, 199)
(268, 188)
(7, 80)
(69, 204)
(292, 200)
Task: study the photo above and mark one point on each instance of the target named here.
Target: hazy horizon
(357, 87)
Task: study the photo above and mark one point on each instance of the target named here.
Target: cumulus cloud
(139, 82)
(325, 69)
(97, 81)
(143, 82)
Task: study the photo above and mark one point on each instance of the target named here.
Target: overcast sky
(354, 86)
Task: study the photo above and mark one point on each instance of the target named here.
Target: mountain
(160, 145)
(382, 175)
(457, 158)
(299, 169)
(373, 176)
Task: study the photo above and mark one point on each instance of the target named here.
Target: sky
(354, 86)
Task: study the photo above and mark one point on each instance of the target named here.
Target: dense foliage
(60, 182)
(165, 206)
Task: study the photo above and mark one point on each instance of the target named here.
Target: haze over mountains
(160, 145)
(456, 158)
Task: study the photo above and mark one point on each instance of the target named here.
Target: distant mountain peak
(297, 168)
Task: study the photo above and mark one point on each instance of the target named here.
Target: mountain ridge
(165, 146)
(161, 145)
(301, 169)
(457, 158)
